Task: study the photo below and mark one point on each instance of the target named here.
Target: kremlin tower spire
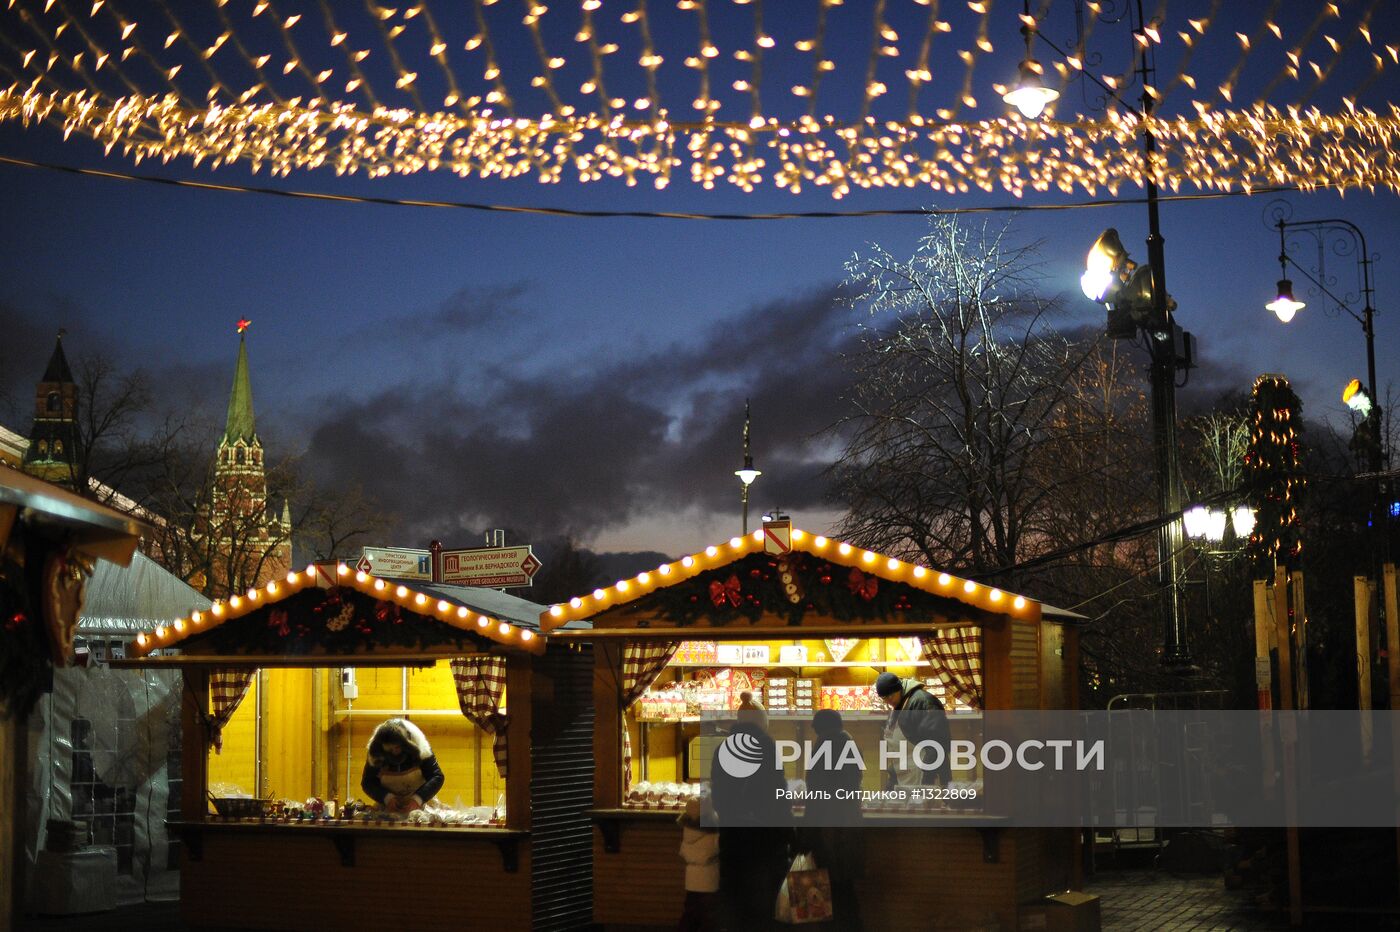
(254, 538)
(53, 440)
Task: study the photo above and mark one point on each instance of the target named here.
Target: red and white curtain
(955, 658)
(481, 688)
(227, 687)
(642, 663)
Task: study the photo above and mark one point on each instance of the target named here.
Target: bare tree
(959, 382)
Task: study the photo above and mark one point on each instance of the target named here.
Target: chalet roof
(497, 617)
(972, 593)
(142, 595)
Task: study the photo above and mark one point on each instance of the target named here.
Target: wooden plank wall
(643, 883)
(1025, 665)
(934, 879)
(299, 884)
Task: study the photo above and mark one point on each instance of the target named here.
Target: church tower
(53, 440)
(252, 541)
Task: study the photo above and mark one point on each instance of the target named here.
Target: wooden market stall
(284, 685)
(803, 623)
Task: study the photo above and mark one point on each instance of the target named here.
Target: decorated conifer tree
(1273, 475)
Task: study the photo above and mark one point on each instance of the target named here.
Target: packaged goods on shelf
(848, 698)
(778, 693)
(696, 652)
(806, 693)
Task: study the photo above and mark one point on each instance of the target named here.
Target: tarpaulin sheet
(105, 744)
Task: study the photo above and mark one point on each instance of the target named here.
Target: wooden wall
(915, 878)
(422, 884)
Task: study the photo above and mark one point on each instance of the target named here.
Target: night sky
(588, 376)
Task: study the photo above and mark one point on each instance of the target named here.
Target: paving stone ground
(1135, 900)
(1150, 900)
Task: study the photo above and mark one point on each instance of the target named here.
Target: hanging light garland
(1216, 145)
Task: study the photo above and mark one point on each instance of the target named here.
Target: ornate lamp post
(747, 474)
(1345, 238)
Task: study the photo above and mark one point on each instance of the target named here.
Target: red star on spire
(243, 324)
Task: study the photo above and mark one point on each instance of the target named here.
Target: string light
(236, 607)
(890, 568)
(1212, 147)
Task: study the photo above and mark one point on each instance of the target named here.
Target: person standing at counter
(401, 773)
(919, 716)
(832, 811)
(754, 821)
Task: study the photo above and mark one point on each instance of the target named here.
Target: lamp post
(1285, 306)
(747, 474)
(1137, 300)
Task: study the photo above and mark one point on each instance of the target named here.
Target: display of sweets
(777, 693)
(696, 652)
(664, 795)
(663, 705)
(848, 698)
(806, 693)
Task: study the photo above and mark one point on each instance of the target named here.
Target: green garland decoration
(790, 587)
(1273, 474)
(336, 621)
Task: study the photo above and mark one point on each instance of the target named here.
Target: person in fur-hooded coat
(401, 773)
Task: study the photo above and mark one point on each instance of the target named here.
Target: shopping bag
(805, 895)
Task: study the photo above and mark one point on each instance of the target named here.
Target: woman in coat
(401, 774)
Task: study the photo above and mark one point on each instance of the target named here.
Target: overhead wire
(628, 214)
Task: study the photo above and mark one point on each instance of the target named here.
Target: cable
(636, 214)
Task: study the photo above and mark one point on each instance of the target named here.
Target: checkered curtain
(642, 663)
(955, 657)
(227, 687)
(481, 687)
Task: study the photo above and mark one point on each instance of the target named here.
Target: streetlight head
(1030, 95)
(1194, 520)
(1355, 397)
(1243, 520)
(1103, 267)
(748, 474)
(1216, 519)
(1285, 305)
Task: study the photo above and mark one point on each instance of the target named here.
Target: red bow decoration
(727, 591)
(863, 585)
(277, 618)
(387, 611)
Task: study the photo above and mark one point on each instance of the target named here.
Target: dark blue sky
(582, 375)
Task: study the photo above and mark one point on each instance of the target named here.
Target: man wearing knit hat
(918, 715)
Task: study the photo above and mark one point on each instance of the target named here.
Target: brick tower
(53, 440)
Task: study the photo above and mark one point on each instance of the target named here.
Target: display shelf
(401, 713)
(812, 665)
(344, 836)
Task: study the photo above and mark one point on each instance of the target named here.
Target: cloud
(579, 451)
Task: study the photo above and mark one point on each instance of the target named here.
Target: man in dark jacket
(829, 831)
(919, 716)
(401, 773)
(755, 821)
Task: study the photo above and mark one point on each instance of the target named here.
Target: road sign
(777, 537)
(490, 567)
(397, 563)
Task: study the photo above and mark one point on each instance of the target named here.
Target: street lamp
(747, 474)
(1285, 306)
(1029, 94)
